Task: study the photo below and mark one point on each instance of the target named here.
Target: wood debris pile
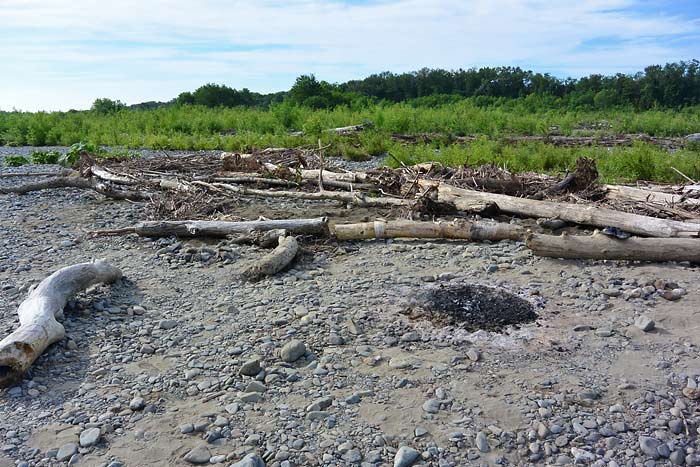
(191, 188)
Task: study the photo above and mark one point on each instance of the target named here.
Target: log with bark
(474, 231)
(191, 228)
(600, 246)
(275, 261)
(576, 213)
(39, 312)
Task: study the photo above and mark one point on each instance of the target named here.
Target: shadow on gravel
(92, 319)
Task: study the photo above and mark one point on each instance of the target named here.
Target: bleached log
(39, 312)
(627, 193)
(600, 246)
(77, 182)
(474, 231)
(315, 226)
(579, 214)
(275, 261)
(356, 198)
(109, 176)
(313, 174)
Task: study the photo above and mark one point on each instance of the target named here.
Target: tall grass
(193, 127)
(641, 161)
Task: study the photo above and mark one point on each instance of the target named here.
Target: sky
(64, 54)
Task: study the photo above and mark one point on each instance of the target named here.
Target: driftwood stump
(38, 313)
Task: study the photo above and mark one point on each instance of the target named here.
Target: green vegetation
(68, 158)
(641, 161)
(490, 103)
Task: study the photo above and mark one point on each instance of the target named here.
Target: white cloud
(140, 50)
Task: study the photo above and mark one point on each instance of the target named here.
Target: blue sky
(62, 54)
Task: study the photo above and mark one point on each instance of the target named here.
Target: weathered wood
(109, 176)
(39, 312)
(191, 228)
(579, 214)
(627, 193)
(77, 182)
(355, 198)
(600, 246)
(275, 261)
(474, 231)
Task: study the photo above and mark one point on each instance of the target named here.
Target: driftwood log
(600, 246)
(356, 198)
(579, 214)
(315, 226)
(275, 261)
(77, 182)
(38, 315)
(474, 231)
(627, 193)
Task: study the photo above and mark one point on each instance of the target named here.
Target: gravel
(323, 365)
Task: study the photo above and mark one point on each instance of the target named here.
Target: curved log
(275, 261)
(38, 313)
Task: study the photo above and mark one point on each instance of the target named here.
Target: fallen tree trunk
(38, 313)
(646, 196)
(474, 231)
(275, 261)
(358, 199)
(600, 246)
(77, 182)
(316, 226)
(579, 214)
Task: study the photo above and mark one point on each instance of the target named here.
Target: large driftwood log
(474, 231)
(275, 261)
(315, 226)
(77, 182)
(38, 313)
(579, 214)
(600, 246)
(646, 196)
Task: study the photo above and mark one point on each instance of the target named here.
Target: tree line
(673, 85)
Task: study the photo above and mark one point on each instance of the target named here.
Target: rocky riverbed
(184, 363)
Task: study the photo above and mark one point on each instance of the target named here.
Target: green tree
(107, 106)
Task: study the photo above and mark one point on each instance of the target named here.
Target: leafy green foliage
(44, 157)
(107, 106)
(15, 161)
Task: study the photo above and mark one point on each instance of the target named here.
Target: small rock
(431, 406)
(66, 452)
(473, 355)
(405, 457)
(482, 442)
(644, 323)
(649, 446)
(167, 324)
(251, 367)
(250, 460)
(89, 437)
(198, 455)
(137, 403)
(293, 351)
